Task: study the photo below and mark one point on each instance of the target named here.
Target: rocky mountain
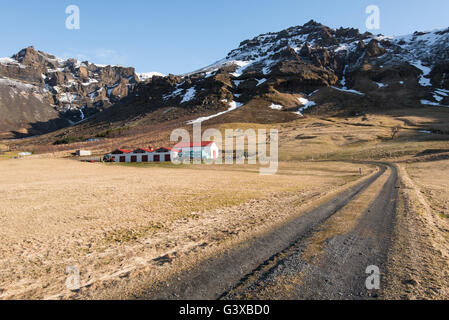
(277, 76)
(40, 92)
(306, 59)
(311, 68)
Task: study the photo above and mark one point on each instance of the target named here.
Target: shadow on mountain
(39, 128)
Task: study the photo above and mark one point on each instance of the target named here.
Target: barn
(207, 150)
(142, 155)
(119, 155)
(165, 154)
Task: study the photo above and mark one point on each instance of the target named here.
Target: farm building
(165, 154)
(119, 155)
(142, 155)
(82, 153)
(198, 150)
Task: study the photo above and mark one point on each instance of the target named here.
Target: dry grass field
(109, 220)
(367, 136)
(432, 178)
(420, 255)
(127, 226)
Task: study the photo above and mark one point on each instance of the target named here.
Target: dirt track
(276, 265)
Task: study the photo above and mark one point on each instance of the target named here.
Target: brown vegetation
(110, 219)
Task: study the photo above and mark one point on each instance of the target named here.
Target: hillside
(275, 77)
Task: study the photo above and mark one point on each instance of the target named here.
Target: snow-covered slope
(421, 49)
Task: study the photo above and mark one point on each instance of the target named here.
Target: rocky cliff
(39, 92)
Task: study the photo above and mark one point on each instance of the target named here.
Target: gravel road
(272, 266)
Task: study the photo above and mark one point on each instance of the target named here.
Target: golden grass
(433, 180)
(365, 137)
(55, 213)
(8, 155)
(420, 250)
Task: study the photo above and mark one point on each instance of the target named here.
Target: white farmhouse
(207, 150)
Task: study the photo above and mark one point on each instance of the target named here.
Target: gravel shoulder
(419, 259)
(330, 262)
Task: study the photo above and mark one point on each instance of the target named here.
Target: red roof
(193, 144)
(143, 149)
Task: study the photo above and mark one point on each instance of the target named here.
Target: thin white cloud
(99, 56)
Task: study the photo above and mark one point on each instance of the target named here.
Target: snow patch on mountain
(276, 106)
(232, 106)
(110, 89)
(82, 113)
(149, 75)
(91, 81)
(424, 81)
(442, 92)
(348, 90)
(20, 85)
(425, 45)
(430, 103)
(189, 95)
(241, 67)
(69, 97)
(306, 105)
(381, 85)
(6, 61)
(261, 81)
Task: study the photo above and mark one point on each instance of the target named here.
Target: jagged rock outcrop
(67, 91)
(373, 49)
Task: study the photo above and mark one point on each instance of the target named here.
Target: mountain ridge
(342, 71)
(68, 91)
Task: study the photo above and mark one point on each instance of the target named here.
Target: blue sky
(178, 36)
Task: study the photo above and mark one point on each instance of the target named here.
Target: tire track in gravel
(215, 278)
(341, 272)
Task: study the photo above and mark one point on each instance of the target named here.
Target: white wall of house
(207, 152)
